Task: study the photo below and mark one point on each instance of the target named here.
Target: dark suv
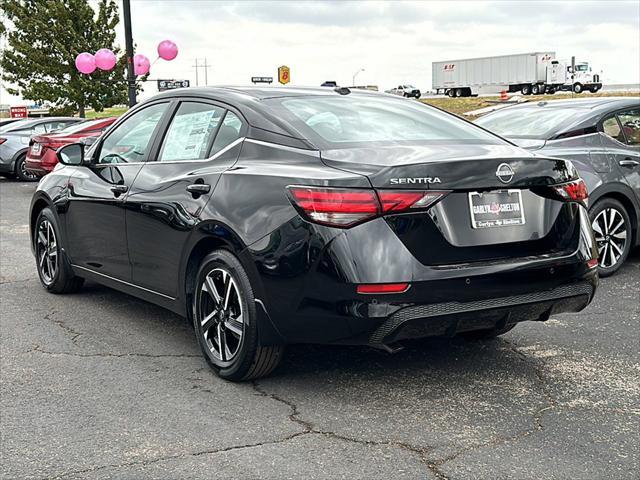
(270, 216)
(601, 136)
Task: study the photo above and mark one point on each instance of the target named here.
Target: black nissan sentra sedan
(271, 216)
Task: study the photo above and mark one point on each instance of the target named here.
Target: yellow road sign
(284, 74)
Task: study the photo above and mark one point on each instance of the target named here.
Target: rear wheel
(21, 170)
(526, 89)
(593, 89)
(535, 90)
(612, 230)
(459, 92)
(225, 320)
(54, 271)
(488, 333)
(451, 93)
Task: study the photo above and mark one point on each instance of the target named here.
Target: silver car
(14, 143)
(601, 136)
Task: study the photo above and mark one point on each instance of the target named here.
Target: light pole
(353, 79)
(128, 41)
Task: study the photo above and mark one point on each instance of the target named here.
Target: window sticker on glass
(190, 132)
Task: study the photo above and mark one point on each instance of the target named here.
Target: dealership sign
(172, 84)
(284, 74)
(18, 112)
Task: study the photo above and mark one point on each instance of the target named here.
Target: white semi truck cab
(583, 78)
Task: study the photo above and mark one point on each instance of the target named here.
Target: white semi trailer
(530, 73)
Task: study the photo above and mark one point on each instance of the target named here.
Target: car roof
(27, 122)
(585, 103)
(249, 100)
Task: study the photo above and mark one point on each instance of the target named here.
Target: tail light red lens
(2, 140)
(573, 191)
(342, 207)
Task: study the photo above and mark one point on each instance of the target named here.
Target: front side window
(630, 122)
(338, 121)
(191, 132)
(131, 140)
(611, 128)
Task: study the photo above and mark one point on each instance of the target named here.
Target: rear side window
(191, 132)
(338, 121)
(630, 122)
(611, 128)
(229, 132)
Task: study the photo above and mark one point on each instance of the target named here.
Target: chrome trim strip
(121, 281)
(160, 162)
(311, 153)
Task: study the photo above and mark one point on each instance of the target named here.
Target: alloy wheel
(47, 249)
(26, 173)
(610, 231)
(220, 314)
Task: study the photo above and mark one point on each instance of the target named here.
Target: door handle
(197, 189)
(119, 189)
(628, 162)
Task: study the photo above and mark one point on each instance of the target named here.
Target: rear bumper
(308, 277)
(39, 166)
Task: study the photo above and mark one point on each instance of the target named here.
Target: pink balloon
(85, 63)
(167, 50)
(141, 64)
(105, 59)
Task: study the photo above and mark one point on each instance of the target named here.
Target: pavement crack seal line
(38, 349)
(174, 457)
(309, 429)
(74, 334)
(500, 440)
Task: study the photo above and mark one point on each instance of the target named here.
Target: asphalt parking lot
(101, 385)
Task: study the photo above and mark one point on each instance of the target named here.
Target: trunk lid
(494, 209)
(450, 167)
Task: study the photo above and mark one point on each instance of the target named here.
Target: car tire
(577, 88)
(487, 334)
(54, 271)
(226, 323)
(451, 93)
(21, 170)
(613, 233)
(593, 89)
(526, 89)
(535, 90)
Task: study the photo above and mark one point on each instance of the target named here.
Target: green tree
(44, 37)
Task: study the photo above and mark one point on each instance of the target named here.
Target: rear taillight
(342, 207)
(2, 140)
(575, 191)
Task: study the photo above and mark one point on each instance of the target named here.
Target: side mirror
(72, 154)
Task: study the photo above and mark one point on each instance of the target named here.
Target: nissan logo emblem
(505, 173)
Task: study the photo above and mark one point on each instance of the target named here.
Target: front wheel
(577, 88)
(612, 230)
(21, 170)
(225, 320)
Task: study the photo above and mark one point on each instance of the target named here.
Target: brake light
(2, 140)
(575, 191)
(382, 288)
(343, 207)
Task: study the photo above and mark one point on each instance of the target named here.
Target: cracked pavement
(100, 385)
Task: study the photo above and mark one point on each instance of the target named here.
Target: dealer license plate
(501, 208)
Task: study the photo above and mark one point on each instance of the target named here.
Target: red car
(41, 157)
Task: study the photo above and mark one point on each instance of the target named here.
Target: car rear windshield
(350, 120)
(536, 123)
(80, 126)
